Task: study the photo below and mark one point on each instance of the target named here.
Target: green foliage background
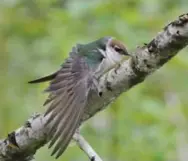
(148, 123)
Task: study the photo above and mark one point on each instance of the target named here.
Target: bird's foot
(97, 86)
(93, 158)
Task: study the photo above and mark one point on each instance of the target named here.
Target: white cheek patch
(113, 56)
(110, 59)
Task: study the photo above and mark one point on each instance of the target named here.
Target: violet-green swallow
(71, 84)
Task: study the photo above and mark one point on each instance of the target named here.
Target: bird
(70, 86)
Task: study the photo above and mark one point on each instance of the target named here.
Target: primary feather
(44, 79)
(67, 99)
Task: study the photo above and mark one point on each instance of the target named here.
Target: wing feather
(58, 113)
(68, 96)
(62, 143)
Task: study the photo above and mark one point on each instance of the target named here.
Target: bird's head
(117, 47)
(114, 50)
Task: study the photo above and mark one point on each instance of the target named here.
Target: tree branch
(84, 145)
(24, 142)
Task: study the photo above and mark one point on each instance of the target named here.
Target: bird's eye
(119, 50)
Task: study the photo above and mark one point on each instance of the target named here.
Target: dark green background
(148, 123)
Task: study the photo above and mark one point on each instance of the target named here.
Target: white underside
(111, 59)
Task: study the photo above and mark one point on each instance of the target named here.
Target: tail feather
(44, 79)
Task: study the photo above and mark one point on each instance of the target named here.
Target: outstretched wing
(68, 95)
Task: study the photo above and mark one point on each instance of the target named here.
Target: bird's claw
(97, 87)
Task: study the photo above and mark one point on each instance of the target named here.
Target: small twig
(84, 145)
